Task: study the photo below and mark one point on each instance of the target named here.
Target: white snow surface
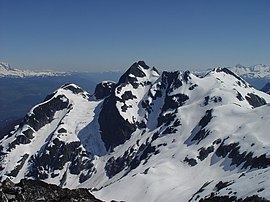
(165, 175)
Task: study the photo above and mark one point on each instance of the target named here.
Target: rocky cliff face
(32, 190)
(149, 137)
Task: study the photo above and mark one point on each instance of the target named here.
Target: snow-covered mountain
(7, 71)
(255, 71)
(150, 137)
(256, 75)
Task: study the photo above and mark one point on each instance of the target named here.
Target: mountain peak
(142, 64)
(136, 71)
(104, 89)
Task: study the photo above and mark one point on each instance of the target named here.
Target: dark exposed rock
(227, 198)
(261, 161)
(131, 159)
(223, 149)
(136, 72)
(217, 141)
(73, 88)
(239, 96)
(254, 100)
(214, 99)
(127, 95)
(141, 124)
(206, 100)
(174, 101)
(169, 130)
(104, 89)
(20, 163)
(21, 139)
(200, 135)
(109, 121)
(167, 119)
(190, 161)
(142, 64)
(193, 86)
(233, 152)
(203, 133)
(114, 166)
(43, 114)
(147, 152)
(146, 105)
(213, 198)
(203, 153)
(206, 118)
(170, 81)
(33, 190)
(56, 155)
(222, 185)
(28, 133)
(253, 198)
(157, 93)
(186, 76)
(200, 190)
(62, 130)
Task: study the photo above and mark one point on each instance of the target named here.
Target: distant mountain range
(150, 136)
(21, 89)
(7, 71)
(255, 71)
(256, 75)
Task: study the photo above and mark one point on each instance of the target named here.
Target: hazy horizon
(103, 36)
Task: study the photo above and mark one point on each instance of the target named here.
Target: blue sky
(97, 35)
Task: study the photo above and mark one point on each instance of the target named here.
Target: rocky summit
(33, 190)
(151, 136)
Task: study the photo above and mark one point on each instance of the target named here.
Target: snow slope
(150, 137)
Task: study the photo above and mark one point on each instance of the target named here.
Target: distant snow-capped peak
(255, 71)
(7, 71)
